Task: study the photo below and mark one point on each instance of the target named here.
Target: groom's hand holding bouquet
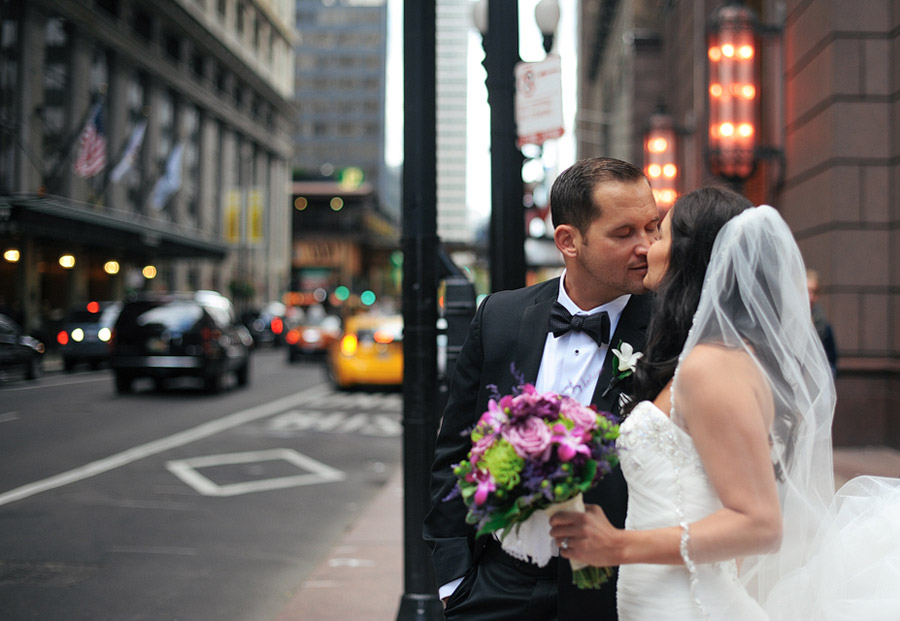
(532, 455)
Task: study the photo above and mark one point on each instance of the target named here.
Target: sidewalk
(362, 577)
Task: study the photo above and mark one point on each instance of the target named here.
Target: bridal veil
(754, 298)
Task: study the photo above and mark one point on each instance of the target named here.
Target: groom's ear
(566, 237)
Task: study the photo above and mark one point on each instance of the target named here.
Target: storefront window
(191, 171)
(136, 106)
(56, 95)
(9, 66)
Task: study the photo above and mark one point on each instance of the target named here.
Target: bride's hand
(588, 537)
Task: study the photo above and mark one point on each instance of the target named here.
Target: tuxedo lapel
(533, 334)
(631, 329)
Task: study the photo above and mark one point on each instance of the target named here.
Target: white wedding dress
(667, 485)
(854, 575)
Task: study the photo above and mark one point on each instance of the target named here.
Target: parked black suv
(174, 335)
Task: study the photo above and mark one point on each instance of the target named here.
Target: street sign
(539, 114)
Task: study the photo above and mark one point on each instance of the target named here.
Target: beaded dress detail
(668, 486)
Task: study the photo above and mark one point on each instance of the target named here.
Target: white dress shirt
(572, 363)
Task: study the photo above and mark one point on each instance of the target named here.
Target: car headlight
(311, 336)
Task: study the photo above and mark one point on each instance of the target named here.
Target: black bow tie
(595, 326)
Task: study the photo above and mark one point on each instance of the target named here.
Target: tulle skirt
(854, 573)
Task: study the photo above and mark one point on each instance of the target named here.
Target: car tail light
(292, 337)
(383, 336)
(62, 338)
(210, 336)
(277, 325)
(349, 344)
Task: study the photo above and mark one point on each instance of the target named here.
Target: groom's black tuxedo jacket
(504, 346)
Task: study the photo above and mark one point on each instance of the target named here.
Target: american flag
(92, 145)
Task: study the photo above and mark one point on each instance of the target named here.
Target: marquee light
(733, 90)
(659, 160)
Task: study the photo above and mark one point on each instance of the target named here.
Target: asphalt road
(179, 504)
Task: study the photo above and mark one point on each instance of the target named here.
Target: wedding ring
(564, 544)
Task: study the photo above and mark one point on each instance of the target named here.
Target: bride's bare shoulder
(724, 365)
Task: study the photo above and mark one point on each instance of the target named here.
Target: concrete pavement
(361, 578)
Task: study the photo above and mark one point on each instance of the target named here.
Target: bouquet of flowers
(532, 453)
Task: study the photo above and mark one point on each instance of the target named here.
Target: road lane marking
(350, 562)
(188, 471)
(163, 444)
(46, 384)
(154, 550)
(9, 416)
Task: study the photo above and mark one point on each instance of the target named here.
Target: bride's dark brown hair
(695, 221)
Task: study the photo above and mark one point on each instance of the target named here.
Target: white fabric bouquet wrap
(530, 540)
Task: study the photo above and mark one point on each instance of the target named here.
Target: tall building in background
(345, 224)
(453, 25)
(339, 89)
(143, 134)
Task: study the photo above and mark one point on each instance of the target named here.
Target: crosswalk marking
(366, 423)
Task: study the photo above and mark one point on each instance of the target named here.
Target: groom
(605, 218)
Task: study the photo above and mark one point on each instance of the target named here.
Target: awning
(127, 233)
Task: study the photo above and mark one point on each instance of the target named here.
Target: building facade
(827, 156)
(195, 95)
(454, 22)
(339, 89)
(346, 202)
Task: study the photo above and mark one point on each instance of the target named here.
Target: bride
(727, 447)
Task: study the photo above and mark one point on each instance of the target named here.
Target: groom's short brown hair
(571, 197)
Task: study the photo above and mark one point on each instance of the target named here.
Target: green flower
(503, 463)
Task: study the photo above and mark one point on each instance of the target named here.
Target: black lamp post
(420, 281)
(507, 223)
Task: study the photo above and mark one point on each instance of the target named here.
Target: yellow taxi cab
(370, 352)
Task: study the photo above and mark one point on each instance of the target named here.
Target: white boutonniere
(626, 360)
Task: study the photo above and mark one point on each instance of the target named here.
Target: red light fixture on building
(659, 160)
(733, 92)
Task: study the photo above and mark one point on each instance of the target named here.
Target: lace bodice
(667, 485)
(666, 479)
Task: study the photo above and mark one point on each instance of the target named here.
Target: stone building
(204, 87)
(827, 156)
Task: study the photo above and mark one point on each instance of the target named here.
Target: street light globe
(546, 14)
(480, 15)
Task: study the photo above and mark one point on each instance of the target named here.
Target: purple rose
(531, 439)
(581, 415)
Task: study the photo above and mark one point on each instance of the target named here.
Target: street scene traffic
(179, 504)
(273, 271)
